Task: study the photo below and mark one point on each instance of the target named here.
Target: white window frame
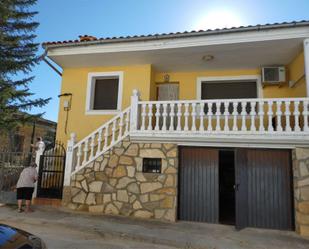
(90, 92)
(229, 79)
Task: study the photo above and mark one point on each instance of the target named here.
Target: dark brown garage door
(198, 176)
(264, 197)
(263, 187)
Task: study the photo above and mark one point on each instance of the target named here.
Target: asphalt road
(57, 237)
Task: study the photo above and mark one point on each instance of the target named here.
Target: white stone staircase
(101, 140)
(104, 138)
(81, 154)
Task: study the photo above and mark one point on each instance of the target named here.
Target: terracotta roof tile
(88, 38)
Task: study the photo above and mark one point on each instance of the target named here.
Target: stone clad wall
(116, 184)
(301, 189)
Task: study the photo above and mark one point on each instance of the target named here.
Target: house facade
(208, 126)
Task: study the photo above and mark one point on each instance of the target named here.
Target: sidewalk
(181, 234)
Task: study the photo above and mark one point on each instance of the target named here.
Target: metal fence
(11, 165)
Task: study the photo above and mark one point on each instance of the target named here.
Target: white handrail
(91, 147)
(221, 100)
(226, 116)
(102, 126)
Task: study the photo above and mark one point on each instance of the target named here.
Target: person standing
(25, 187)
(39, 147)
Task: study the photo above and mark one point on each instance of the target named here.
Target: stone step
(47, 202)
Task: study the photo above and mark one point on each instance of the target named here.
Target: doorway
(168, 91)
(227, 187)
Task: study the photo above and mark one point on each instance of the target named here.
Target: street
(60, 228)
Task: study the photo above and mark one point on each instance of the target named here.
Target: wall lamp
(66, 107)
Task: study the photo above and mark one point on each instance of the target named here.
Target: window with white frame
(104, 92)
(232, 87)
(228, 90)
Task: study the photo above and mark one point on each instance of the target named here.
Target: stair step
(47, 202)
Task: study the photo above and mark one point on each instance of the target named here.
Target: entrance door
(168, 91)
(264, 186)
(226, 187)
(199, 185)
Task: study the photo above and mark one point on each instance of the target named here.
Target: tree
(18, 56)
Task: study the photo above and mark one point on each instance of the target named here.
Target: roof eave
(47, 46)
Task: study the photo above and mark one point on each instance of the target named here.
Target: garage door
(263, 187)
(263, 196)
(198, 180)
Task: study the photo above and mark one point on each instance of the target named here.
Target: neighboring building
(20, 139)
(206, 136)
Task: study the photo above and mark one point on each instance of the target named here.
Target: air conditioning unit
(273, 74)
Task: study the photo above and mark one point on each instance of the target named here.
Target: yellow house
(207, 126)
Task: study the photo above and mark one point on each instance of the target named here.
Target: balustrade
(258, 116)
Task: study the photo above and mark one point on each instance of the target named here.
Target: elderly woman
(25, 187)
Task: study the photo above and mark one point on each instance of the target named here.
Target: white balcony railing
(227, 116)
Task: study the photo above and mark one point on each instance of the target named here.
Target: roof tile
(88, 38)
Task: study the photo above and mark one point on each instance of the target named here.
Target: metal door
(198, 184)
(51, 172)
(264, 189)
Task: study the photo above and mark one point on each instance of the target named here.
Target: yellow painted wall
(144, 78)
(187, 80)
(74, 80)
(295, 71)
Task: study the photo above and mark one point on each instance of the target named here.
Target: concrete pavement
(63, 229)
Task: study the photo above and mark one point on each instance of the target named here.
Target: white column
(144, 114)
(149, 128)
(69, 160)
(306, 54)
(134, 111)
(38, 154)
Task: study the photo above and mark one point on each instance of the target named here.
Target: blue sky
(66, 19)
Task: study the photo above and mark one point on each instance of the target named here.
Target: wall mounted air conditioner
(273, 74)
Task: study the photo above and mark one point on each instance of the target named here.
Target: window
(229, 87)
(152, 165)
(104, 93)
(229, 90)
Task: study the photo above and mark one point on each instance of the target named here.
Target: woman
(39, 147)
(25, 187)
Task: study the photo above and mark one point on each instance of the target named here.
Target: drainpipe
(44, 58)
(306, 55)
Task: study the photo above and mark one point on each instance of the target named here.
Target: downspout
(44, 58)
(306, 58)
